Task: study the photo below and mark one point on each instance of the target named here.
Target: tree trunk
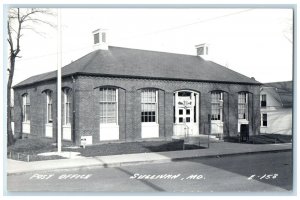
(10, 137)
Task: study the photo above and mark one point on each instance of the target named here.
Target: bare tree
(19, 19)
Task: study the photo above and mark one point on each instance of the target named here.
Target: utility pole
(59, 65)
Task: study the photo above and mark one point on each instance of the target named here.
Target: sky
(253, 42)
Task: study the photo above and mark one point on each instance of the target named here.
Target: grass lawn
(134, 147)
(24, 147)
(33, 147)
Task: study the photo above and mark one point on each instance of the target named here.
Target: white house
(276, 108)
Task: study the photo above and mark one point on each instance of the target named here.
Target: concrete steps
(199, 139)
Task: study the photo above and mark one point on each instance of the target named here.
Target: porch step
(199, 138)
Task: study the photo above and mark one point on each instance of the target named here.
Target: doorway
(186, 113)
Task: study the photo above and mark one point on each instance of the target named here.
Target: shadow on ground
(271, 163)
(135, 147)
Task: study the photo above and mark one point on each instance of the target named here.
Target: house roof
(135, 63)
(281, 91)
(284, 85)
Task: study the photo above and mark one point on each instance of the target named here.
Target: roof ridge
(154, 51)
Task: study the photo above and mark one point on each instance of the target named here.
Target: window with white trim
(243, 105)
(217, 106)
(67, 106)
(49, 106)
(26, 108)
(149, 105)
(264, 120)
(263, 102)
(108, 105)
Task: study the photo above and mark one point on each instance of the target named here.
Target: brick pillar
(136, 114)
(225, 114)
(129, 115)
(250, 113)
(96, 116)
(76, 116)
(88, 114)
(205, 110)
(161, 113)
(233, 114)
(121, 114)
(18, 113)
(256, 114)
(169, 114)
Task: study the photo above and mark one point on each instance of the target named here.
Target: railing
(20, 156)
(200, 139)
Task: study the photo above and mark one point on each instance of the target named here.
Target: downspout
(73, 111)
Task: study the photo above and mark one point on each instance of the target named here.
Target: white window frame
(263, 95)
(156, 104)
(246, 113)
(219, 103)
(262, 119)
(48, 92)
(25, 108)
(116, 105)
(67, 103)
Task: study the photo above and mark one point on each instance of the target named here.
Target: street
(263, 172)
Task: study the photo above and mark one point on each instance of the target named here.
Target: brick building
(121, 94)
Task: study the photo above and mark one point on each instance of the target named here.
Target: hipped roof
(135, 63)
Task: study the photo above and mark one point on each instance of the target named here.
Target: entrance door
(186, 121)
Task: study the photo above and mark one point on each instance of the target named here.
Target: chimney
(100, 39)
(203, 50)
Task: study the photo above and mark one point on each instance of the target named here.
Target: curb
(230, 154)
(167, 160)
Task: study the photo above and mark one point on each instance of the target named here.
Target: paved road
(243, 173)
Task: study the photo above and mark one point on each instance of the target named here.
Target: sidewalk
(216, 149)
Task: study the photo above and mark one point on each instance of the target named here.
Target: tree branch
(10, 41)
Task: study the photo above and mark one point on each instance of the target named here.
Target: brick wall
(86, 106)
(38, 108)
(129, 101)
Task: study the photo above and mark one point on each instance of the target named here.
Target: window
(96, 38)
(103, 37)
(216, 106)
(149, 105)
(26, 108)
(184, 94)
(108, 105)
(188, 111)
(49, 106)
(67, 106)
(200, 51)
(264, 120)
(180, 111)
(263, 102)
(243, 105)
